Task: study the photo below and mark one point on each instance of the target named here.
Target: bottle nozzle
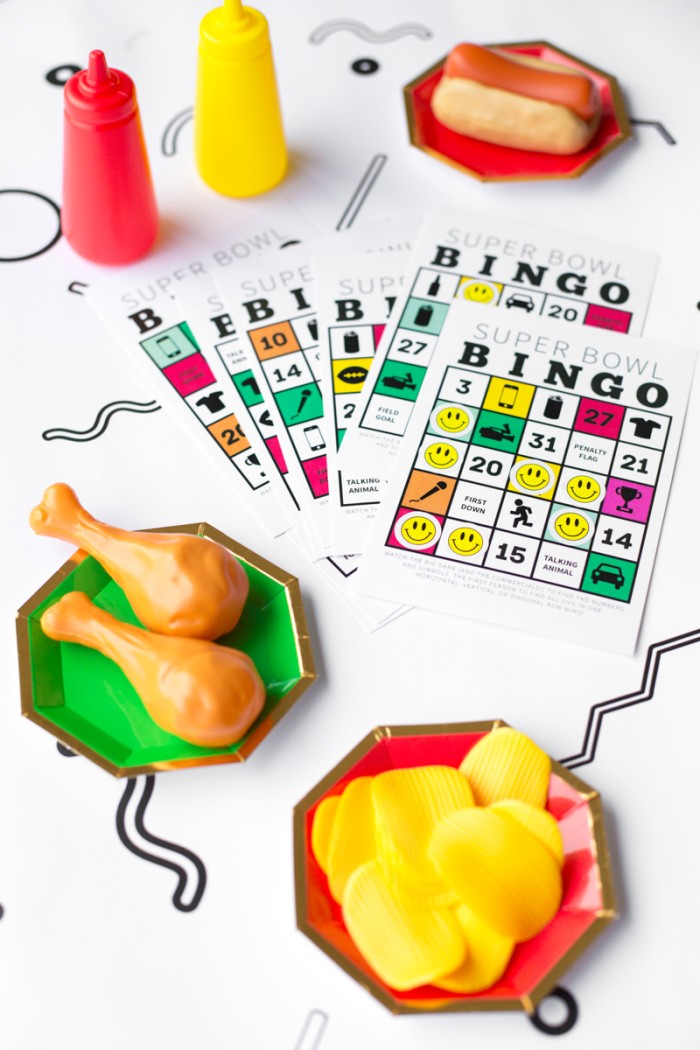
(233, 11)
(97, 70)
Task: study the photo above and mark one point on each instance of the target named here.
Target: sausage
(516, 100)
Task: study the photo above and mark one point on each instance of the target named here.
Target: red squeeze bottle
(109, 210)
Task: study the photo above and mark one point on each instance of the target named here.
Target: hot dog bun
(516, 100)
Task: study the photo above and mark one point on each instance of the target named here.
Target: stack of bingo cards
(463, 419)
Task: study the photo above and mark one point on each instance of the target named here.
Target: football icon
(353, 374)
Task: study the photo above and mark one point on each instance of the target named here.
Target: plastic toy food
(441, 871)
(516, 100)
(177, 584)
(204, 693)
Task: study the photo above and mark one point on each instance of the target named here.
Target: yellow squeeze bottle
(238, 135)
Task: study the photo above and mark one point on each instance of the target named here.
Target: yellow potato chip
(488, 955)
(411, 890)
(499, 869)
(405, 947)
(507, 764)
(321, 829)
(352, 839)
(536, 820)
(407, 804)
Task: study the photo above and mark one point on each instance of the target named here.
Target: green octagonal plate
(86, 701)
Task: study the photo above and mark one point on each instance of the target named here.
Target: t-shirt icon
(644, 428)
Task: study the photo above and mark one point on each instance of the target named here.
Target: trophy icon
(629, 493)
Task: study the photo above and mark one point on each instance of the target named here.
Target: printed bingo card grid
(224, 352)
(524, 270)
(531, 485)
(355, 293)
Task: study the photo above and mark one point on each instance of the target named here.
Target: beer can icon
(552, 408)
(423, 316)
(351, 343)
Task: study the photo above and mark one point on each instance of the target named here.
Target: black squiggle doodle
(362, 191)
(364, 32)
(171, 847)
(101, 421)
(598, 711)
(312, 1032)
(168, 144)
(75, 286)
(662, 130)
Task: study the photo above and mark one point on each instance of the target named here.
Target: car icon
(608, 574)
(524, 302)
(400, 382)
(497, 433)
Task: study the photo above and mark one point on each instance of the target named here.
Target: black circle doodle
(2, 911)
(365, 66)
(54, 239)
(60, 75)
(569, 1020)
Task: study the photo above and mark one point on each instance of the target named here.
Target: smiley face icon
(531, 476)
(572, 527)
(452, 419)
(477, 292)
(417, 531)
(465, 542)
(441, 455)
(583, 488)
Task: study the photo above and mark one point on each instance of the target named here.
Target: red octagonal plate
(588, 902)
(491, 163)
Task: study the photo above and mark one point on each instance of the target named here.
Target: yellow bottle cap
(234, 31)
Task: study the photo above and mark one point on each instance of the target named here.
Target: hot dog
(516, 100)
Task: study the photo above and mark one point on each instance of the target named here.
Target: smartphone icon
(509, 395)
(314, 437)
(167, 345)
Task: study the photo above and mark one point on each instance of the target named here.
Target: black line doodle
(168, 143)
(362, 191)
(60, 75)
(101, 421)
(364, 32)
(56, 237)
(646, 692)
(560, 1027)
(312, 1032)
(182, 875)
(662, 130)
(65, 751)
(73, 287)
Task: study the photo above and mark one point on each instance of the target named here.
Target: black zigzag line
(172, 847)
(101, 421)
(661, 128)
(646, 692)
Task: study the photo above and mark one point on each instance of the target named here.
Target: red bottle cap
(98, 94)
